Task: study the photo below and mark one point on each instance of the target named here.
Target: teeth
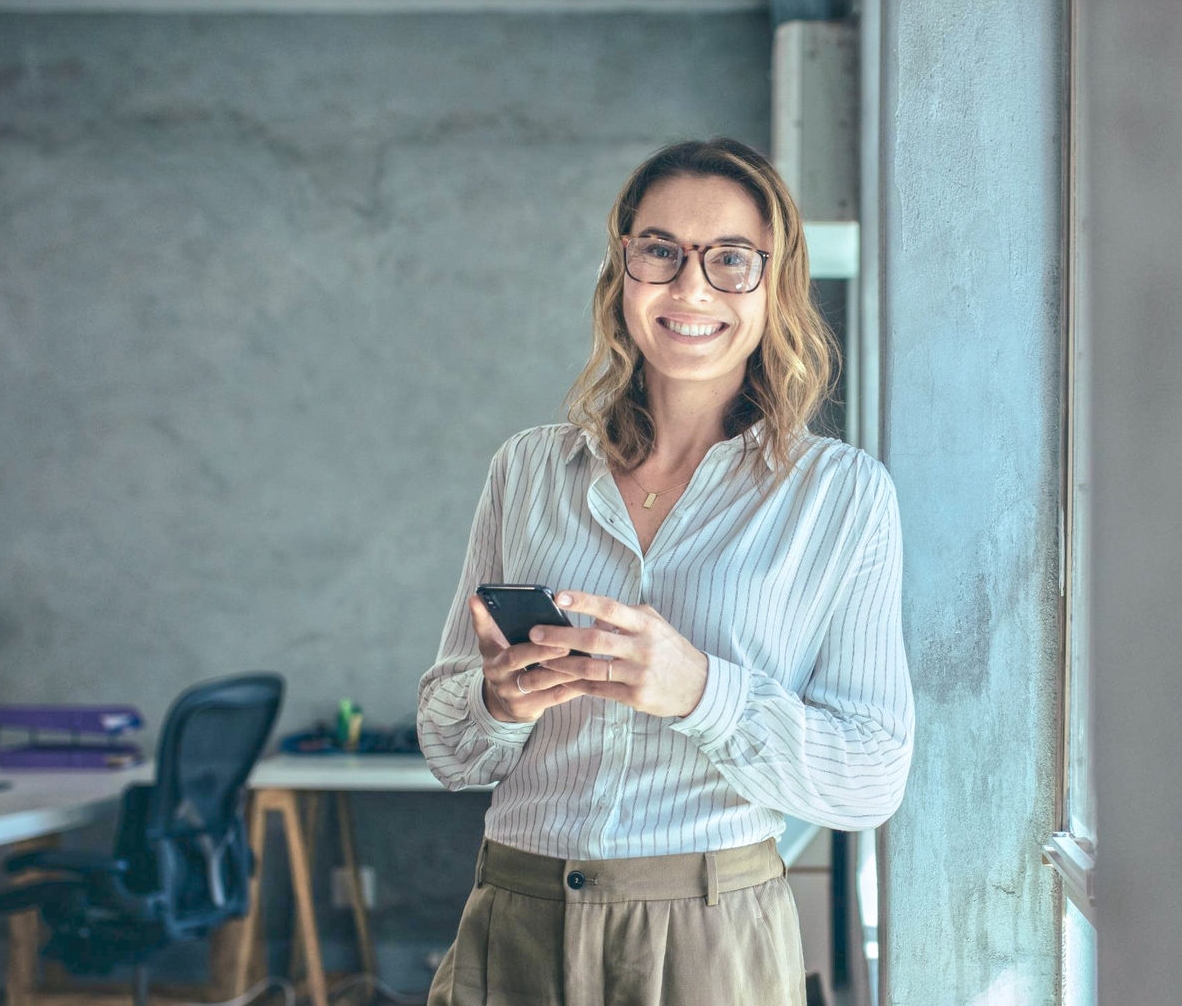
(682, 329)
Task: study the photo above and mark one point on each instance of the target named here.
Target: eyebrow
(736, 239)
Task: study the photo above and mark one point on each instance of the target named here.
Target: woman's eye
(659, 252)
(733, 258)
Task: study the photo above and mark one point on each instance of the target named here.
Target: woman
(736, 654)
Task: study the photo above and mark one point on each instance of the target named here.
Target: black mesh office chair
(181, 863)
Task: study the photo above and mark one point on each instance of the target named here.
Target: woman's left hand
(652, 667)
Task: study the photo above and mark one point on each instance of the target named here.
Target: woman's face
(687, 330)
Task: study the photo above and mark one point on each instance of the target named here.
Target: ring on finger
(609, 668)
(517, 681)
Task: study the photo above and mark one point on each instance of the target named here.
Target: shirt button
(575, 880)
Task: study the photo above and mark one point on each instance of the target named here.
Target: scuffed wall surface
(272, 290)
(971, 187)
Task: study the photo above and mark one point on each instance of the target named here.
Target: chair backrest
(212, 736)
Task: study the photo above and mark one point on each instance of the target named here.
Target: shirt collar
(585, 441)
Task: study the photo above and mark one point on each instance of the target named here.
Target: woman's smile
(692, 328)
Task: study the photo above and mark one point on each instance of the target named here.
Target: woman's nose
(691, 283)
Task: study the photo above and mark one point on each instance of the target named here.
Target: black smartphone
(518, 607)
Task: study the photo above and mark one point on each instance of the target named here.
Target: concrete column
(970, 191)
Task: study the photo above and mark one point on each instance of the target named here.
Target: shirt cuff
(497, 731)
(717, 715)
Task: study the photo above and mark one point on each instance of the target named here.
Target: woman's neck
(687, 422)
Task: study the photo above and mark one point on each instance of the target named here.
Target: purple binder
(82, 736)
(106, 720)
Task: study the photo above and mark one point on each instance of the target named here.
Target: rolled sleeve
(497, 731)
(717, 715)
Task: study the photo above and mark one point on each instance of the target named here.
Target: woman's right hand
(516, 690)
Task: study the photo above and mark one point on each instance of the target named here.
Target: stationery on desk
(348, 737)
(70, 736)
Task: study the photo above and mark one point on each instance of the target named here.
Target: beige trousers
(712, 929)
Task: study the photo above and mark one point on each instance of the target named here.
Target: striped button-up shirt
(791, 591)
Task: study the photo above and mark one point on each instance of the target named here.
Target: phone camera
(492, 603)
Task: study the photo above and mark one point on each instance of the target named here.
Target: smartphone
(518, 607)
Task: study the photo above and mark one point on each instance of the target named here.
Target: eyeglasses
(729, 268)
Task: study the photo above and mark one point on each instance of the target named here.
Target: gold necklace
(650, 496)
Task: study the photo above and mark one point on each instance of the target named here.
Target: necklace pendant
(649, 500)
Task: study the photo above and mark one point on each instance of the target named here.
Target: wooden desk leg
(311, 807)
(369, 962)
(237, 950)
(283, 801)
(24, 931)
(24, 936)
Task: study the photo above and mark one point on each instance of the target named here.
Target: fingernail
(565, 599)
(536, 634)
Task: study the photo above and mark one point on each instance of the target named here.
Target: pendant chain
(650, 496)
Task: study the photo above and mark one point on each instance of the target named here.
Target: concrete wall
(272, 290)
(970, 182)
(1131, 149)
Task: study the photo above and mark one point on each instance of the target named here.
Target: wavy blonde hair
(788, 375)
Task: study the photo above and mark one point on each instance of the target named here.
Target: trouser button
(575, 880)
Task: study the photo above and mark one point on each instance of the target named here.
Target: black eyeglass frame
(685, 256)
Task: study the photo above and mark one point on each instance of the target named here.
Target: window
(1071, 850)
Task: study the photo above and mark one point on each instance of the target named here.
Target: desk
(35, 808)
(277, 782)
(37, 804)
(40, 805)
(401, 773)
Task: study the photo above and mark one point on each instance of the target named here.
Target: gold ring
(609, 668)
(517, 681)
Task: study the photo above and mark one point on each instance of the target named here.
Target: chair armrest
(66, 860)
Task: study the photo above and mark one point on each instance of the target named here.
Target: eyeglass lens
(729, 268)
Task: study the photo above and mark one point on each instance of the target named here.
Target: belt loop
(480, 863)
(711, 879)
(773, 853)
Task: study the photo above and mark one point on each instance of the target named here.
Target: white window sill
(1075, 861)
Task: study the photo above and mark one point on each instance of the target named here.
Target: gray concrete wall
(970, 182)
(272, 290)
(1131, 149)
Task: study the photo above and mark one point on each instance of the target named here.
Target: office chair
(181, 862)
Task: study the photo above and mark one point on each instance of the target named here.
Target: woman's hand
(652, 667)
(516, 690)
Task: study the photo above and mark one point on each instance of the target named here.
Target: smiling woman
(788, 372)
(735, 650)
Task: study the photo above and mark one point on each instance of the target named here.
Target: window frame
(1071, 850)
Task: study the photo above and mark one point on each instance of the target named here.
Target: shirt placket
(609, 790)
